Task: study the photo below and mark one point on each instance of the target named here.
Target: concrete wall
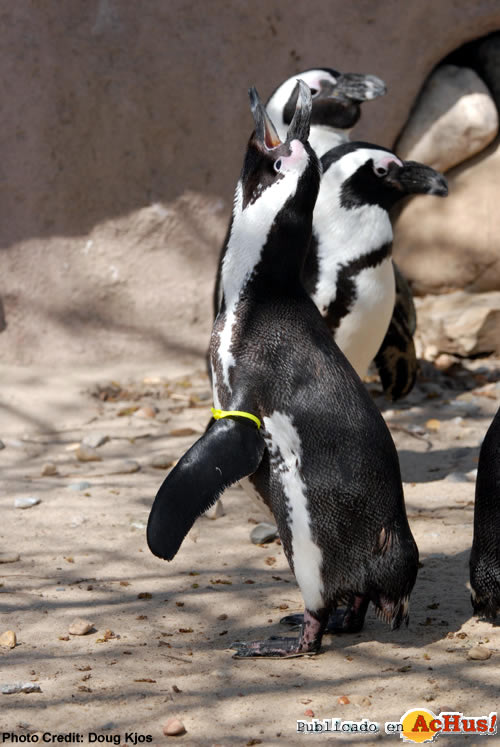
(123, 125)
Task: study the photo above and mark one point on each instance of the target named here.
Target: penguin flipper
(229, 450)
(396, 360)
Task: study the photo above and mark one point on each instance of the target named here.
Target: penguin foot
(308, 643)
(342, 620)
(274, 647)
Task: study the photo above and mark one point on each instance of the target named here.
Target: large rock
(443, 245)
(123, 130)
(460, 323)
(454, 118)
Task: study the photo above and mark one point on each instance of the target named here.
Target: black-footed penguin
(337, 99)
(485, 553)
(294, 416)
(349, 271)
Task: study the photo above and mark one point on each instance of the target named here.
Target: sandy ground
(83, 554)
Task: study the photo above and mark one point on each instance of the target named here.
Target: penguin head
(368, 174)
(336, 98)
(280, 169)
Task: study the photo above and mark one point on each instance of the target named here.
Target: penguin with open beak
(290, 411)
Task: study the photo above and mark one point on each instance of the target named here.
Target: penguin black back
(485, 553)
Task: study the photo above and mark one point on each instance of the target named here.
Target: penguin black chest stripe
(346, 284)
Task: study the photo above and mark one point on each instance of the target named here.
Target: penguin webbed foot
(308, 643)
(348, 619)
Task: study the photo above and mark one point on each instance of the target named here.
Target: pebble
(9, 557)
(433, 425)
(147, 411)
(216, 512)
(456, 477)
(263, 532)
(82, 485)
(26, 502)
(80, 627)
(94, 440)
(479, 653)
(8, 639)
(162, 461)
(49, 469)
(173, 727)
(20, 687)
(127, 467)
(361, 700)
(77, 521)
(87, 454)
(343, 700)
(138, 524)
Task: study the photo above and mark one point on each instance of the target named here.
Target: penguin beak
(264, 128)
(300, 124)
(416, 178)
(359, 87)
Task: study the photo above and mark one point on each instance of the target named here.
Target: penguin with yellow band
(322, 460)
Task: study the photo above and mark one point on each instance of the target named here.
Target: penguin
(349, 271)
(337, 99)
(291, 413)
(485, 554)
(336, 109)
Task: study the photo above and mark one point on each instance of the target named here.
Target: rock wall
(123, 127)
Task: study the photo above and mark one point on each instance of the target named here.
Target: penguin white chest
(362, 331)
(285, 448)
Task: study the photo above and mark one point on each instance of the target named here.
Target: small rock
(8, 639)
(216, 511)
(127, 467)
(162, 461)
(456, 477)
(479, 653)
(343, 700)
(309, 712)
(444, 361)
(173, 728)
(49, 469)
(263, 532)
(94, 440)
(183, 432)
(82, 485)
(20, 687)
(9, 557)
(26, 502)
(138, 524)
(147, 411)
(87, 454)
(361, 700)
(433, 424)
(80, 627)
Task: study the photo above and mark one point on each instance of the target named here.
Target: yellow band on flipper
(218, 414)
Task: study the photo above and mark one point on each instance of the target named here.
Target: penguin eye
(314, 92)
(277, 164)
(380, 170)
